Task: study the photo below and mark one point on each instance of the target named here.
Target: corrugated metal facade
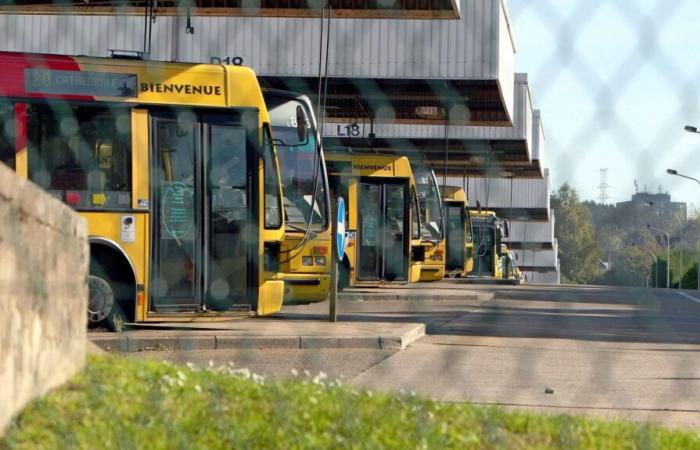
(545, 259)
(538, 138)
(497, 192)
(548, 278)
(83, 35)
(479, 46)
(531, 232)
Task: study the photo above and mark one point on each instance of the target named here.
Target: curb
(123, 343)
(379, 297)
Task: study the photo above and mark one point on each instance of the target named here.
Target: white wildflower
(242, 373)
(198, 388)
(294, 372)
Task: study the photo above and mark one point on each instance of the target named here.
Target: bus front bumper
(306, 287)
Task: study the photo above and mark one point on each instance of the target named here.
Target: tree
(578, 249)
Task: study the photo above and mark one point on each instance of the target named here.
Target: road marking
(690, 297)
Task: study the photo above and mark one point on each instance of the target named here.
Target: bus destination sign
(68, 82)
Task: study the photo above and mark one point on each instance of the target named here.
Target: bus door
(204, 233)
(456, 236)
(383, 230)
(483, 249)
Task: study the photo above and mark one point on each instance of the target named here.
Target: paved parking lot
(609, 352)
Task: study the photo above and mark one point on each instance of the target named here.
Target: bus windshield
(429, 203)
(297, 162)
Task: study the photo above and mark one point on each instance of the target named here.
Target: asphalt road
(608, 352)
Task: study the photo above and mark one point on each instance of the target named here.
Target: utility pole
(604, 186)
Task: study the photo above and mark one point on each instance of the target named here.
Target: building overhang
(450, 147)
(363, 9)
(536, 246)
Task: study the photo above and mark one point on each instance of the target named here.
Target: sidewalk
(273, 333)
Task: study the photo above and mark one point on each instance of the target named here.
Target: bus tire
(111, 290)
(104, 306)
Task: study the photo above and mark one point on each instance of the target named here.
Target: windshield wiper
(295, 227)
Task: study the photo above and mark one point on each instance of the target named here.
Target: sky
(616, 80)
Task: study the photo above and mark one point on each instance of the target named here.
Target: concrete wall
(43, 293)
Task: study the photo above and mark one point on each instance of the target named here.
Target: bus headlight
(307, 261)
(320, 260)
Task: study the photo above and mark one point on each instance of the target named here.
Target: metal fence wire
(616, 80)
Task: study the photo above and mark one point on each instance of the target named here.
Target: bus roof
(483, 214)
(43, 76)
(454, 194)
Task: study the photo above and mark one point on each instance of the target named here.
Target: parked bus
(431, 220)
(488, 231)
(511, 271)
(459, 246)
(306, 247)
(173, 168)
(384, 243)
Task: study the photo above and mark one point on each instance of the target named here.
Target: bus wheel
(103, 305)
(101, 299)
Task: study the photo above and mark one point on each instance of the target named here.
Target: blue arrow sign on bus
(340, 228)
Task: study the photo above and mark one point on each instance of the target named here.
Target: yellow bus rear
(173, 168)
(459, 246)
(384, 245)
(488, 232)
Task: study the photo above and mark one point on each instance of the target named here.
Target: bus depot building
(434, 82)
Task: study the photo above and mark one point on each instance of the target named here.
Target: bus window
(298, 159)
(429, 203)
(415, 224)
(273, 216)
(81, 154)
(7, 134)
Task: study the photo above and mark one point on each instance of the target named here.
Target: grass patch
(124, 403)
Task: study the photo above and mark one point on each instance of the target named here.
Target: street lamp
(668, 254)
(689, 129)
(675, 172)
(680, 224)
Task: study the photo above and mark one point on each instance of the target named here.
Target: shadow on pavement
(629, 315)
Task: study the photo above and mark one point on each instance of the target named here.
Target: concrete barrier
(43, 293)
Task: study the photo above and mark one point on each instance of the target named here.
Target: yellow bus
(511, 271)
(173, 168)
(488, 231)
(384, 243)
(305, 254)
(431, 223)
(459, 246)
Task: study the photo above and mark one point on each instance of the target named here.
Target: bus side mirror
(302, 132)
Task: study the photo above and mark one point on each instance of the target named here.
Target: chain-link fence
(616, 84)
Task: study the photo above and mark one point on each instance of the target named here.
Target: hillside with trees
(613, 245)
